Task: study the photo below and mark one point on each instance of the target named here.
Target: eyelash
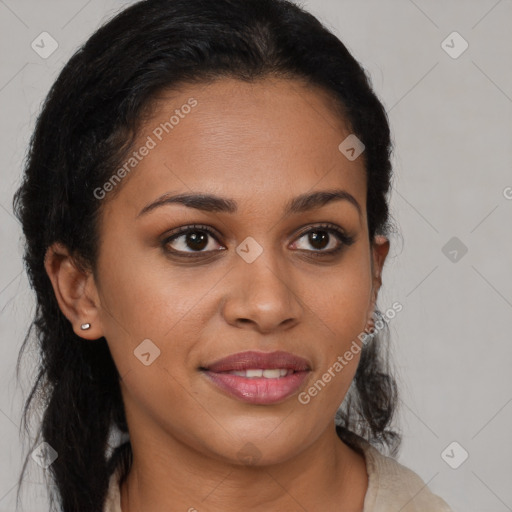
(344, 239)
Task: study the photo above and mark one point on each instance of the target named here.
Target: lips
(255, 360)
(258, 377)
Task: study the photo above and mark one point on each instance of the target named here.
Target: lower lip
(258, 390)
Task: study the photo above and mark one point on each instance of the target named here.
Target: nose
(261, 296)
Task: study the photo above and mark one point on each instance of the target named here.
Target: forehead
(270, 139)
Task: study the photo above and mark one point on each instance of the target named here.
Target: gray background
(451, 121)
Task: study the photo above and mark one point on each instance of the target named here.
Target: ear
(75, 291)
(380, 250)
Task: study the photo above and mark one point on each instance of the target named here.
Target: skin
(260, 144)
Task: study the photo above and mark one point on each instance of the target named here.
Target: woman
(206, 219)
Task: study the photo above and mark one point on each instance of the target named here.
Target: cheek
(341, 299)
(144, 298)
(168, 306)
(340, 310)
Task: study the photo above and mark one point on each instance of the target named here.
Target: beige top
(391, 487)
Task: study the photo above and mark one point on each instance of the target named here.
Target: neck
(172, 476)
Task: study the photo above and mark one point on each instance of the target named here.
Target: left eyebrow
(212, 203)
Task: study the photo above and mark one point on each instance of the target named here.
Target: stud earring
(84, 327)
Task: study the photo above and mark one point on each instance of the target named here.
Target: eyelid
(327, 226)
(176, 233)
(190, 227)
(343, 237)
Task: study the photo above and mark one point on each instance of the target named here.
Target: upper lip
(253, 360)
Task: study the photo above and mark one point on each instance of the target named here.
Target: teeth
(254, 373)
(274, 373)
(240, 374)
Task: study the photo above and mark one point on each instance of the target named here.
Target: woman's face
(254, 276)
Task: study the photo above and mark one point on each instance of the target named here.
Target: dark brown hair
(87, 123)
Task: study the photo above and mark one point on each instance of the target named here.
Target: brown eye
(319, 239)
(196, 240)
(192, 240)
(323, 239)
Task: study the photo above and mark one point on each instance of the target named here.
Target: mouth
(258, 377)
